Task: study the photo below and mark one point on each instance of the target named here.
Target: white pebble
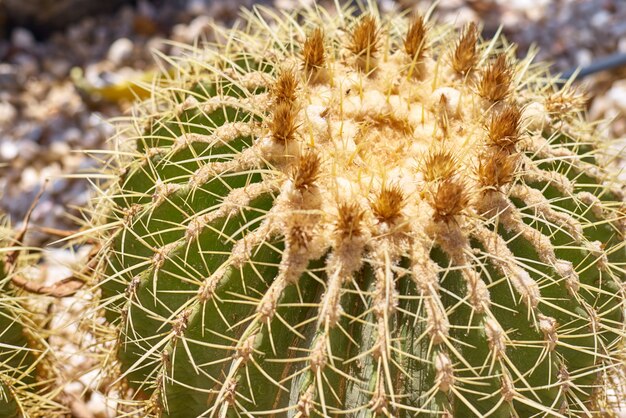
(120, 51)
(28, 150)
(58, 150)
(30, 178)
(617, 94)
(8, 150)
(7, 113)
(22, 38)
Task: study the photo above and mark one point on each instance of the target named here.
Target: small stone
(7, 113)
(72, 136)
(30, 178)
(8, 150)
(30, 132)
(28, 150)
(91, 139)
(196, 7)
(584, 57)
(617, 95)
(27, 66)
(619, 30)
(600, 19)
(120, 51)
(59, 186)
(8, 77)
(60, 68)
(22, 38)
(51, 171)
(58, 150)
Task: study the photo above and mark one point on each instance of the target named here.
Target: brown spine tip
(439, 164)
(503, 129)
(566, 102)
(283, 123)
(349, 220)
(495, 82)
(306, 171)
(443, 122)
(496, 168)
(415, 40)
(387, 205)
(448, 198)
(465, 56)
(284, 89)
(313, 50)
(364, 37)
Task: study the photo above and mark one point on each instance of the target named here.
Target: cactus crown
(354, 214)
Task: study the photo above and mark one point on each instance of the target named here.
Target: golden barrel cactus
(352, 214)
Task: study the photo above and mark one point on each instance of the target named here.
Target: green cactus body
(13, 353)
(363, 216)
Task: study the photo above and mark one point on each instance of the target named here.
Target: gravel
(47, 122)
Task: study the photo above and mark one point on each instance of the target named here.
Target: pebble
(8, 76)
(30, 178)
(57, 67)
(617, 95)
(584, 57)
(28, 150)
(120, 51)
(600, 19)
(72, 136)
(22, 39)
(7, 113)
(8, 150)
(27, 64)
(58, 150)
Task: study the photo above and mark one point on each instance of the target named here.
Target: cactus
(26, 370)
(357, 214)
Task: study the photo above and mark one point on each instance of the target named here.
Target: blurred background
(64, 65)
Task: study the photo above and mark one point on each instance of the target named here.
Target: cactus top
(365, 215)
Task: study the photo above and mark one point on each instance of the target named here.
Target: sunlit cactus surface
(347, 213)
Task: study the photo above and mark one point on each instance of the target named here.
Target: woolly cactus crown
(353, 214)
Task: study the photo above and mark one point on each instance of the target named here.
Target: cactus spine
(362, 215)
(26, 367)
